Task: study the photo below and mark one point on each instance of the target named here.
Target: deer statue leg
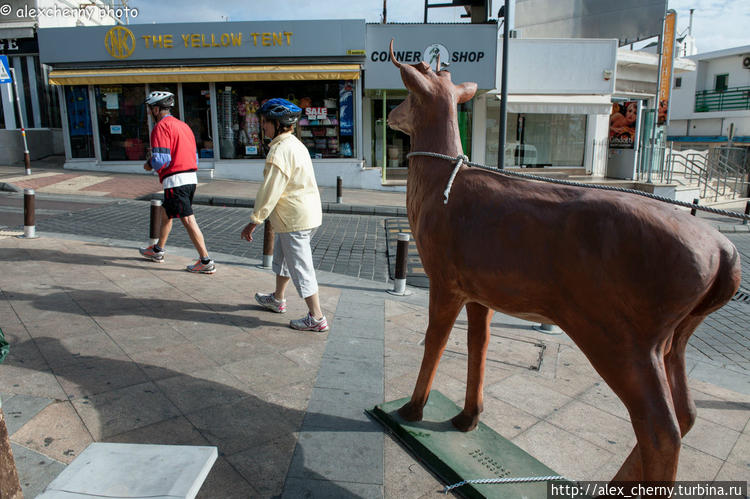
(444, 308)
(645, 391)
(684, 407)
(478, 338)
(674, 361)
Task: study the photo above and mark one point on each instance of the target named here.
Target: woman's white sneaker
(309, 323)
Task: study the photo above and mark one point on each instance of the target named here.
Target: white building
(39, 105)
(711, 106)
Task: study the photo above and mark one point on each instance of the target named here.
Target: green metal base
(455, 456)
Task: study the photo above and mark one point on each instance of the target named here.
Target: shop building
(220, 74)
(39, 107)
(558, 108)
(469, 51)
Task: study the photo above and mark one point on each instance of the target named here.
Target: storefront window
(197, 106)
(397, 144)
(326, 126)
(536, 140)
(123, 124)
(79, 121)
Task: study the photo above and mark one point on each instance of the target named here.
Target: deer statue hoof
(410, 412)
(465, 422)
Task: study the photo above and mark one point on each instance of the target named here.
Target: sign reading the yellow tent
(121, 43)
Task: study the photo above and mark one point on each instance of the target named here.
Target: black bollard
(747, 212)
(339, 191)
(695, 202)
(29, 218)
(268, 236)
(402, 254)
(155, 224)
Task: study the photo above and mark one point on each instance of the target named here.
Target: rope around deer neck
(463, 160)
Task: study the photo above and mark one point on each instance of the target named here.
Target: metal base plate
(455, 456)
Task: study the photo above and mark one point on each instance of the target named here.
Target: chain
(528, 479)
(462, 160)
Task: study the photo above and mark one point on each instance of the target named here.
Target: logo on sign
(431, 53)
(119, 42)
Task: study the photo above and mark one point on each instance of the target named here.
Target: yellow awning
(204, 74)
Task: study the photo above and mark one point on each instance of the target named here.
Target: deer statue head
(433, 97)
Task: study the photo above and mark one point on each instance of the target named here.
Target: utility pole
(385, 12)
(26, 158)
(504, 87)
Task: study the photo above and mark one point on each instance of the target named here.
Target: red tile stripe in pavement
(129, 188)
(38, 183)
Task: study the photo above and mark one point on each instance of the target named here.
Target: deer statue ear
(465, 91)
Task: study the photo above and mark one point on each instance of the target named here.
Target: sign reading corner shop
(190, 41)
(470, 49)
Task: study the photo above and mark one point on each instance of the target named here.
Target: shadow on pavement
(255, 437)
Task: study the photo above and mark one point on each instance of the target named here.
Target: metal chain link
(528, 479)
(461, 160)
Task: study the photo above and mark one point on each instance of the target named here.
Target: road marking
(74, 184)
(33, 176)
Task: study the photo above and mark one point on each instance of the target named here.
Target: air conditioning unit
(746, 62)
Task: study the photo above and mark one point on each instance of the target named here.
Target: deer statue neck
(439, 136)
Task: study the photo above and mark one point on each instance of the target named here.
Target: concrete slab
(132, 470)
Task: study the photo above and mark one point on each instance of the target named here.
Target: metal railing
(731, 99)
(715, 174)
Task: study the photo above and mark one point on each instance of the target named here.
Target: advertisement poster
(346, 105)
(666, 66)
(622, 124)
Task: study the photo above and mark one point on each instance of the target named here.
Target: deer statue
(626, 277)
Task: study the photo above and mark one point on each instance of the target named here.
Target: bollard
(402, 253)
(155, 227)
(695, 202)
(339, 191)
(747, 212)
(29, 218)
(268, 236)
(548, 328)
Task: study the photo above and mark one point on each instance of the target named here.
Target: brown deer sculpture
(627, 278)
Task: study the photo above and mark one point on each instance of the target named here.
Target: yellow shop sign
(120, 42)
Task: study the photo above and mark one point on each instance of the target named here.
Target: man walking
(175, 158)
(289, 197)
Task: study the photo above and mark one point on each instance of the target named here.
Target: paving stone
(56, 432)
(119, 411)
(323, 489)
(20, 409)
(339, 456)
(35, 470)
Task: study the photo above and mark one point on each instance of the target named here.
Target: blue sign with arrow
(5, 70)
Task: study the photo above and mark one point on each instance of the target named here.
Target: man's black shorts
(178, 201)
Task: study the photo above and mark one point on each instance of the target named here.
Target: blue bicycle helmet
(281, 110)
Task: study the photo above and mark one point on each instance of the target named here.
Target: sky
(717, 24)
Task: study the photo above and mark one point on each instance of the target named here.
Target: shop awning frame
(204, 74)
(559, 104)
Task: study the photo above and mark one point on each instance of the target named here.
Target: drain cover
(742, 295)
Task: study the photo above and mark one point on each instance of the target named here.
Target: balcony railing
(731, 99)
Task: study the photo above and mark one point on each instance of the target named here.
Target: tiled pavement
(113, 348)
(63, 401)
